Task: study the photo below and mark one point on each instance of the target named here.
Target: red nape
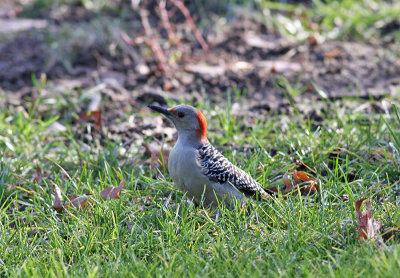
(202, 126)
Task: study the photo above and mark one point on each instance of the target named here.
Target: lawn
(151, 230)
(349, 144)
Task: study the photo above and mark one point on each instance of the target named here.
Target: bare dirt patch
(89, 52)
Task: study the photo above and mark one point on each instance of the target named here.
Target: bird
(198, 169)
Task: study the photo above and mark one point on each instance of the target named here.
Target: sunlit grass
(153, 231)
(343, 19)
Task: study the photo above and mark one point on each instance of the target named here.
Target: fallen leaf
(112, 192)
(309, 88)
(159, 155)
(273, 189)
(83, 201)
(288, 183)
(367, 226)
(168, 86)
(80, 202)
(94, 116)
(332, 54)
(58, 203)
(312, 40)
(39, 175)
(307, 185)
(310, 184)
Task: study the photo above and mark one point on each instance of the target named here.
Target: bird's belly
(227, 192)
(187, 177)
(176, 167)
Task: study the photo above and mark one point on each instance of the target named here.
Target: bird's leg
(217, 214)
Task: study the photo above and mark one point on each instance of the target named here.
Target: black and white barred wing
(219, 169)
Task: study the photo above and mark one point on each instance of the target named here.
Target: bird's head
(186, 119)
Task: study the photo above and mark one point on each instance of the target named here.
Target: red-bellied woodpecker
(199, 169)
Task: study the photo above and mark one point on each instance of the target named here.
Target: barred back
(219, 169)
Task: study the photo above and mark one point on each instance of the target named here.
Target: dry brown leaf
(39, 175)
(288, 183)
(58, 203)
(83, 201)
(332, 54)
(308, 185)
(112, 192)
(367, 226)
(94, 116)
(80, 202)
(312, 40)
(167, 86)
(309, 88)
(273, 189)
(77, 202)
(159, 155)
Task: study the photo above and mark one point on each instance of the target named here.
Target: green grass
(146, 234)
(342, 19)
(152, 231)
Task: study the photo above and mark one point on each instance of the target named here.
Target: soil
(244, 56)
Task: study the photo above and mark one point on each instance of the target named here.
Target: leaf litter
(367, 226)
(294, 181)
(83, 201)
(253, 47)
(371, 229)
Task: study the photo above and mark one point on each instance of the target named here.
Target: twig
(179, 4)
(152, 41)
(167, 24)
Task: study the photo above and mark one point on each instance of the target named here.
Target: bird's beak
(161, 110)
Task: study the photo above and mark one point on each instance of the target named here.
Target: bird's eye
(181, 114)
